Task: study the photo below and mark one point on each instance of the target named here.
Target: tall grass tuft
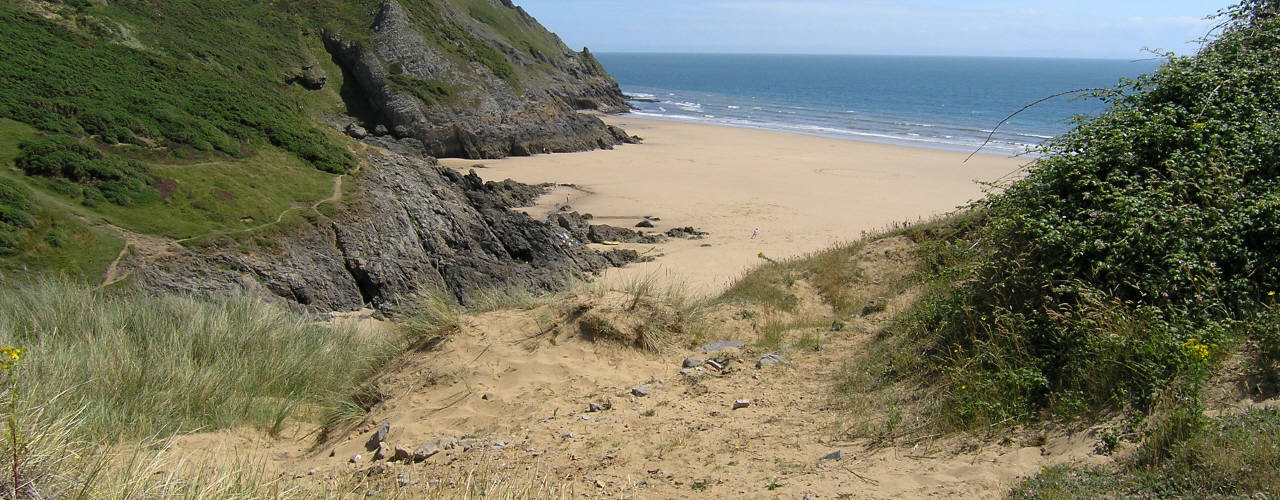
(135, 365)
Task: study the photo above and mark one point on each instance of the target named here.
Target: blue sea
(944, 102)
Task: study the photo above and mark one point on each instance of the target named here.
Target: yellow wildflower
(10, 355)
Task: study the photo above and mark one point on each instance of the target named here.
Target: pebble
(715, 364)
(586, 417)
(771, 359)
(835, 455)
(425, 451)
(741, 403)
(384, 451)
(642, 391)
(355, 459)
(378, 436)
(691, 363)
(837, 325)
(486, 396)
(402, 454)
(498, 445)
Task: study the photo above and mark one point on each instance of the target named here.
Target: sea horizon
(945, 102)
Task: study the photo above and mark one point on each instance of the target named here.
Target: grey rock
(715, 364)
(642, 391)
(837, 325)
(835, 455)
(355, 459)
(356, 131)
(644, 223)
(770, 360)
(380, 129)
(741, 403)
(378, 436)
(401, 454)
(721, 345)
(426, 450)
(384, 451)
(691, 363)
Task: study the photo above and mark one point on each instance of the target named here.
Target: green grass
(134, 365)
(1232, 456)
(225, 195)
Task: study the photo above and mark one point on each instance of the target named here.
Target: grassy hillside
(186, 118)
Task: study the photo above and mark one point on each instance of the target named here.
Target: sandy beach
(802, 193)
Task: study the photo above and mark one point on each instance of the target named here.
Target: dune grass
(135, 365)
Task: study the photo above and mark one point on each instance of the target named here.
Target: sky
(1118, 29)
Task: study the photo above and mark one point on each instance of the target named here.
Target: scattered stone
(355, 459)
(835, 455)
(705, 245)
(642, 391)
(312, 472)
(378, 436)
(721, 345)
(837, 325)
(356, 131)
(371, 493)
(380, 129)
(486, 397)
(586, 417)
(644, 223)
(403, 480)
(691, 363)
(401, 454)
(741, 403)
(498, 445)
(567, 436)
(594, 407)
(771, 359)
(384, 451)
(425, 451)
(715, 364)
(566, 208)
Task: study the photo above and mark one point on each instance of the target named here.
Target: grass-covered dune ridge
(134, 366)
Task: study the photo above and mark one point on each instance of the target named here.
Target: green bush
(15, 215)
(105, 177)
(1129, 255)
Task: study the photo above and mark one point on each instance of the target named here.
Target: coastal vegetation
(1127, 281)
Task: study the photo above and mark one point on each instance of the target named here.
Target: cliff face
(470, 89)
(415, 224)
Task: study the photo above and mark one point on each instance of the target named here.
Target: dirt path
(543, 402)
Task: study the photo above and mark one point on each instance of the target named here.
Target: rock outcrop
(415, 224)
(476, 94)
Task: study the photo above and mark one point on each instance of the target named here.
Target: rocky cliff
(479, 95)
(205, 101)
(415, 224)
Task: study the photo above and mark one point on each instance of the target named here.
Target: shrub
(120, 181)
(1152, 226)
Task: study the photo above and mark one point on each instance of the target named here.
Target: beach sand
(803, 193)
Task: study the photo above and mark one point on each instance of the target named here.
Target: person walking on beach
(755, 232)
